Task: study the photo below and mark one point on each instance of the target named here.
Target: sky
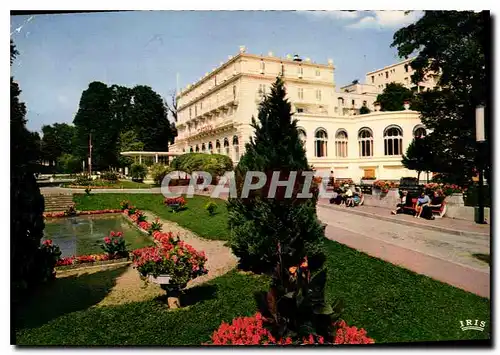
(61, 54)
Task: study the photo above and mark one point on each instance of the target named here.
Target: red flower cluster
(351, 335)
(114, 245)
(175, 201)
(172, 256)
(79, 213)
(138, 217)
(47, 242)
(385, 185)
(447, 189)
(252, 331)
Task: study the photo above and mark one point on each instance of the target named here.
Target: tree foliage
(120, 119)
(393, 97)
(418, 156)
(27, 204)
(454, 45)
(57, 139)
(364, 110)
(260, 225)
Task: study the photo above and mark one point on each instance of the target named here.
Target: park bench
(437, 212)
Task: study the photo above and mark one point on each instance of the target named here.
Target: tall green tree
(128, 142)
(393, 97)
(149, 119)
(57, 139)
(418, 156)
(27, 204)
(453, 45)
(260, 225)
(96, 120)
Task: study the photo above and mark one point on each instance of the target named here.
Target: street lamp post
(480, 140)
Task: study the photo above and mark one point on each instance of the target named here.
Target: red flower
(107, 240)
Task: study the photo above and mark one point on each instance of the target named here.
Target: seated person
(348, 197)
(422, 201)
(436, 202)
(356, 199)
(337, 196)
(402, 202)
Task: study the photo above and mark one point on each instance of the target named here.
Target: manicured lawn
(121, 184)
(194, 217)
(391, 303)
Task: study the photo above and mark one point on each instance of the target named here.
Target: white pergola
(158, 156)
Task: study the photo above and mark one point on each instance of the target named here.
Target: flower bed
(384, 186)
(74, 262)
(138, 218)
(448, 189)
(252, 331)
(175, 203)
(79, 213)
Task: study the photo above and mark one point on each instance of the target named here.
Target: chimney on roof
(296, 58)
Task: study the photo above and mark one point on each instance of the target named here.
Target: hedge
(215, 164)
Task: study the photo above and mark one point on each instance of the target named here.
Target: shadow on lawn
(65, 295)
(194, 295)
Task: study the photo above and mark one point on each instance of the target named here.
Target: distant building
(214, 116)
(400, 73)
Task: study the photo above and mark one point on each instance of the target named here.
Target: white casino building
(214, 115)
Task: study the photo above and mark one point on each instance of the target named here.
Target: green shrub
(211, 207)
(109, 176)
(261, 226)
(215, 164)
(138, 172)
(158, 172)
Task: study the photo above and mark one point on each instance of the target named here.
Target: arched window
(302, 135)
(393, 141)
(236, 148)
(226, 146)
(321, 141)
(365, 139)
(419, 132)
(210, 148)
(190, 149)
(203, 148)
(341, 143)
(217, 146)
(197, 148)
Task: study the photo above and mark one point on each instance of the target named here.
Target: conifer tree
(260, 226)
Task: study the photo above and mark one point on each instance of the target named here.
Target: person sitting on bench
(399, 206)
(356, 199)
(436, 202)
(422, 201)
(348, 196)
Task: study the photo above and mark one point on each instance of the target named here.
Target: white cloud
(389, 19)
(331, 14)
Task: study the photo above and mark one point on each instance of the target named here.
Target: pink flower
(107, 240)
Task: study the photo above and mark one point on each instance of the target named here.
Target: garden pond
(83, 235)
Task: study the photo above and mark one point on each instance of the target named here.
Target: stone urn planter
(173, 290)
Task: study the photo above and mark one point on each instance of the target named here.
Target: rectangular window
(300, 72)
(195, 110)
(318, 95)
(300, 110)
(201, 105)
(190, 112)
(301, 93)
(386, 74)
(353, 102)
(262, 67)
(373, 79)
(318, 72)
